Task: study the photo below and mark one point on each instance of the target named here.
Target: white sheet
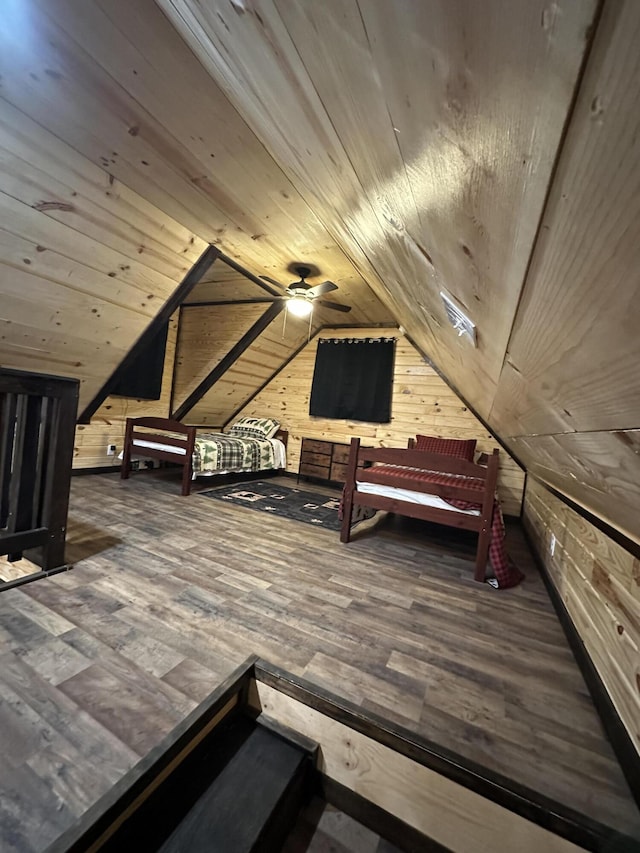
(411, 497)
(279, 451)
(179, 451)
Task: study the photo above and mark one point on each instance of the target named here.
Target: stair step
(239, 791)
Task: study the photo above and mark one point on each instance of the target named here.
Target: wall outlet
(552, 545)
(111, 450)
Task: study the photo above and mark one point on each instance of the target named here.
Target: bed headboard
(283, 435)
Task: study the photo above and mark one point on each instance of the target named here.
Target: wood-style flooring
(169, 594)
(322, 828)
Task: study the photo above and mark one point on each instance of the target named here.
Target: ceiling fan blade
(335, 305)
(272, 281)
(323, 287)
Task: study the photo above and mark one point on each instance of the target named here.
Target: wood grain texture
(162, 605)
(598, 470)
(600, 585)
(572, 356)
(386, 126)
(84, 262)
(121, 80)
(206, 336)
(421, 403)
(256, 365)
(412, 153)
(453, 816)
(108, 424)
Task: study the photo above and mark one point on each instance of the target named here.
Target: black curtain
(143, 379)
(353, 379)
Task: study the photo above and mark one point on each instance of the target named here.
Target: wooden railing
(37, 427)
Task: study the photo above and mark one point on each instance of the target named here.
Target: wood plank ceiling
(487, 150)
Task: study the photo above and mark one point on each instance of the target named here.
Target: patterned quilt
(218, 452)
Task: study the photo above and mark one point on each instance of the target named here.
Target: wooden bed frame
(365, 456)
(187, 444)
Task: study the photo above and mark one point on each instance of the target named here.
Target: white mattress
(411, 497)
(170, 448)
(279, 451)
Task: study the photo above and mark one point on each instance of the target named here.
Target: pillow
(461, 449)
(254, 428)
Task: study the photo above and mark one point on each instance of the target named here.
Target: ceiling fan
(300, 296)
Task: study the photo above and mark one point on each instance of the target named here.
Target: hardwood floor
(169, 594)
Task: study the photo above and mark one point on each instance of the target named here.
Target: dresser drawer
(341, 453)
(324, 460)
(315, 446)
(338, 472)
(309, 470)
(311, 458)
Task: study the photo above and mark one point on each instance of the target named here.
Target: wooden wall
(424, 140)
(256, 365)
(207, 333)
(85, 263)
(600, 585)
(108, 423)
(422, 403)
(568, 400)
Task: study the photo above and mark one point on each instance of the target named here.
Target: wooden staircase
(233, 777)
(240, 791)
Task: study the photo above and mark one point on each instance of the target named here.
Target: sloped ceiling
(487, 150)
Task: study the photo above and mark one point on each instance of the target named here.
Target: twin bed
(437, 480)
(252, 444)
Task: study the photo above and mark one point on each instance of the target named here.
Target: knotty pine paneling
(256, 365)
(420, 399)
(223, 284)
(599, 470)
(115, 81)
(207, 333)
(600, 585)
(108, 424)
(572, 363)
(85, 263)
(444, 811)
(424, 140)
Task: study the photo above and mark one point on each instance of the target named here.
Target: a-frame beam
(230, 358)
(194, 275)
(245, 272)
(209, 303)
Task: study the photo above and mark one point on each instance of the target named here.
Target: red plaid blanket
(506, 573)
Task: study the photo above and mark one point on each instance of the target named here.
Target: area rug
(287, 502)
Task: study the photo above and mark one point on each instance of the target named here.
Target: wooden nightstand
(324, 460)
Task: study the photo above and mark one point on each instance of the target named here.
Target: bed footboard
(183, 443)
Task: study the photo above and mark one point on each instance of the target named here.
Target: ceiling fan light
(299, 306)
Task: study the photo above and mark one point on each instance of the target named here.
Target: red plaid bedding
(506, 573)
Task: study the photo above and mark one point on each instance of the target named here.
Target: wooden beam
(230, 358)
(236, 266)
(284, 364)
(226, 302)
(194, 275)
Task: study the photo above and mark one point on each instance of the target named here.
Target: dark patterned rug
(285, 501)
